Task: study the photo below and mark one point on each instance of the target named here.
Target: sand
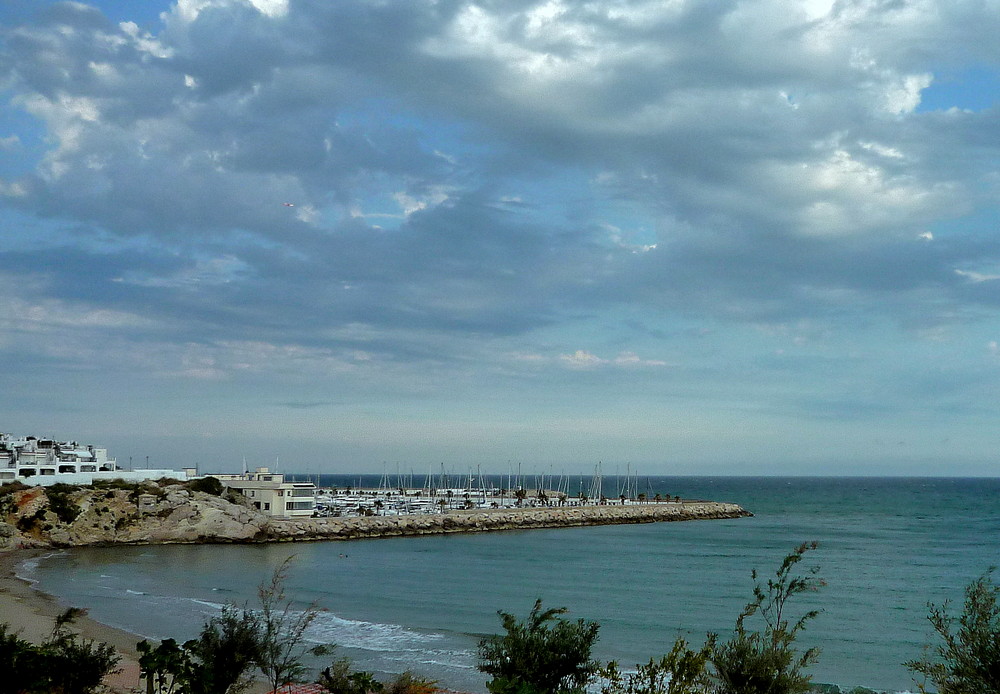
(30, 612)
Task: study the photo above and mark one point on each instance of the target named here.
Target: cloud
(477, 186)
(582, 359)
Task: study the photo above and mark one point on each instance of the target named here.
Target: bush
(968, 662)
(60, 502)
(682, 671)
(541, 655)
(209, 485)
(339, 678)
(217, 662)
(408, 683)
(766, 661)
(61, 664)
(8, 488)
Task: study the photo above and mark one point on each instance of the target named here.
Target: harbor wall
(174, 514)
(486, 520)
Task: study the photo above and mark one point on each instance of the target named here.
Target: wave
(370, 636)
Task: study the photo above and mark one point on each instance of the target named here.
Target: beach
(30, 613)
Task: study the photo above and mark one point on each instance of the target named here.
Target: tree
(682, 671)
(968, 662)
(62, 664)
(281, 636)
(544, 654)
(766, 661)
(220, 660)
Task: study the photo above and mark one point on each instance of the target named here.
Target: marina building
(269, 492)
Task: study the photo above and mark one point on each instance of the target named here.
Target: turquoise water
(887, 547)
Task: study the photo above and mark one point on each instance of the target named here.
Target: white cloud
(977, 277)
(581, 359)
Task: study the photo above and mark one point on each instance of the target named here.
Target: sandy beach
(30, 612)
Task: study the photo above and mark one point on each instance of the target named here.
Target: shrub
(541, 655)
(682, 671)
(968, 660)
(60, 502)
(339, 678)
(766, 661)
(62, 663)
(10, 487)
(408, 683)
(209, 485)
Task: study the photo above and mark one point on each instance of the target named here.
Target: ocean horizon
(887, 547)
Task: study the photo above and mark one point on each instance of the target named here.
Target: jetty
(492, 520)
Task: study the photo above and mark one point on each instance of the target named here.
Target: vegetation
(543, 654)
(968, 660)
(209, 485)
(682, 671)
(219, 661)
(270, 639)
(61, 502)
(281, 632)
(340, 678)
(766, 661)
(62, 664)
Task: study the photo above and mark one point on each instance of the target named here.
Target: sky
(675, 236)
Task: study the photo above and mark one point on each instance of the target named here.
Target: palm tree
(657, 498)
(641, 498)
(520, 495)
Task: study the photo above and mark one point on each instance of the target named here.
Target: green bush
(682, 671)
(209, 485)
(544, 654)
(339, 678)
(61, 664)
(766, 661)
(968, 660)
(8, 488)
(60, 502)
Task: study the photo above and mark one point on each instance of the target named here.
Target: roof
(302, 688)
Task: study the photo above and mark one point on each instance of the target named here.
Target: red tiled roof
(304, 688)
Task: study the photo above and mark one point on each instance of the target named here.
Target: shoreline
(30, 611)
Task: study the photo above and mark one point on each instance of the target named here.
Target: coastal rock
(70, 516)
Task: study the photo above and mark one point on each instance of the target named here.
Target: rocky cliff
(127, 513)
(123, 513)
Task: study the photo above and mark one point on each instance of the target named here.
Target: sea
(887, 547)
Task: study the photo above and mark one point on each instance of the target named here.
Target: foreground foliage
(968, 660)
(543, 654)
(766, 661)
(681, 671)
(62, 664)
(231, 646)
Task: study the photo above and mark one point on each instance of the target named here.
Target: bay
(888, 546)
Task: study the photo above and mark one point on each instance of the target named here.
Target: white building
(41, 461)
(272, 494)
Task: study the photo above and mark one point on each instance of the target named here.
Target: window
(267, 507)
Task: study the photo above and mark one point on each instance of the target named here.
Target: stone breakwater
(488, 520)
(175, 514)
